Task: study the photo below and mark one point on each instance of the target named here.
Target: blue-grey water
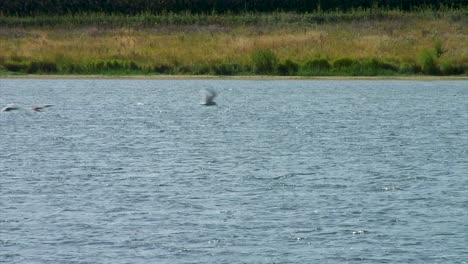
(136, 171)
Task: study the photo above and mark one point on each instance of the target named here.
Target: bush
(427, 61)
(227, 69)
(202, 69)
(345, 63)
(264, 62)
(438, 48)
(112, 65)
(288, 68)
(182, 69)
(374, 66)
(162, 68)
(347, 66)
(42, 67)
(450, 68)
(316, 67)
(15, 66)
(407, 68)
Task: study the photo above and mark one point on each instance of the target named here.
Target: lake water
(136, 171)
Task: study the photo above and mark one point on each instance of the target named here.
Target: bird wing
(207, 96)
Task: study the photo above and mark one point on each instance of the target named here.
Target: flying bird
(12, 107)
(40, 108)
(9, 108)
(207, 97)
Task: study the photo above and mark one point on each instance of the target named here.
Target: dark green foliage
(34, 7)
(103, 66)
(202, 70)
(264, 61)
(42, 67)
(346, 66)
(228, 69)
(15, 66)
(163, 69)
(161, 19)
(288, 68)
(373, 67)
(29, 7)
(427, 61)
(439, 50)
(345, 63)
(407, 68)
(367, 67)
(449, 68)
(182, 69)
(316, 67)
(106, 65)
(31, 67)
(113, 65)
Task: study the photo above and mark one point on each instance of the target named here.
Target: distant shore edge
(245, 77)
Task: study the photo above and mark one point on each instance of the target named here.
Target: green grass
(266, 66)
(225, 19)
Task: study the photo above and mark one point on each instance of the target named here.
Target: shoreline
(240, 77)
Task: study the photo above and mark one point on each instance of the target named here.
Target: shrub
(227, 69)
(162, 68)
(69, 68)
(182, 69)
(316, 67)
(347, 66)
(42, 67)
(427, 61)
(112, 65)
(264, 62)
(345, 63)
(15, 66)
(438, 48)
(407, 68)
(450, 68)
(202, 69)
(376, 67)
(288, 68)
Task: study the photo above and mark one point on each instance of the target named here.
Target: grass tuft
(228, 69)
(428, 62)
(42, 67)
(264, 61)
(288, 68)
(316, 67)
(15, 66)
(450, 68)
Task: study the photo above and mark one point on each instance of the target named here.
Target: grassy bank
(357, 43)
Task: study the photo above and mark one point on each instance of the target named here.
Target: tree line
(36, 7)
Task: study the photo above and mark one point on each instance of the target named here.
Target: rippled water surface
(136, 171)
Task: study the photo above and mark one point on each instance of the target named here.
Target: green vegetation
(132, 7)
(427, 61)
(264, 62)
(359, 42)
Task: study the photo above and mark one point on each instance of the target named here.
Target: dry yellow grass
(390, 40)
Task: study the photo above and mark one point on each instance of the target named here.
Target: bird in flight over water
(36, 108)
(207, 97)
(40, 108)
(9, 108)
